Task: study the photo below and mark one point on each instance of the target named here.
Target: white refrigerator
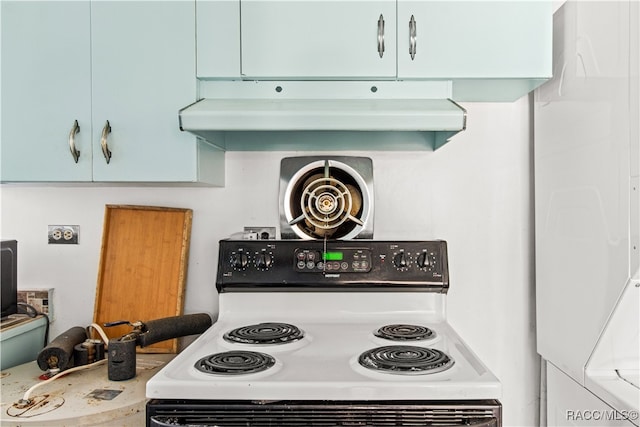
(587, 217)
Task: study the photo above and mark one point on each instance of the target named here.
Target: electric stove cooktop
(341, 321)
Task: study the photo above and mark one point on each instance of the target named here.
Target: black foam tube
(122, 359)
(174, 327)
(59, 352)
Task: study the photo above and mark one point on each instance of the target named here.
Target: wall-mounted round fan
(326, 197)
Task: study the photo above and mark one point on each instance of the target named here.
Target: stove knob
(239, 261)
(264, 260)
(423, 260)
(400, 260)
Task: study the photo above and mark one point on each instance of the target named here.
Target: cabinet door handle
(381, 35)
(106, 130)
(412, 37)
(75, 153)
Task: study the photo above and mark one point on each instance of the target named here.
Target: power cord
(32, 312)
(26, 398)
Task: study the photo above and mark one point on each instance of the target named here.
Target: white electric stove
(328, 333)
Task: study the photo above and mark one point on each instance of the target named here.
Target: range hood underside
(281, 124)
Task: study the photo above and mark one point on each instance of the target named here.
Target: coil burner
(235, 363)
(403, 332)
(265, 333)
(405, 359)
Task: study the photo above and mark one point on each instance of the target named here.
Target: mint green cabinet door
(143, 69)
(218, 38)
(46, 87)
(474, 39)
(318, 39)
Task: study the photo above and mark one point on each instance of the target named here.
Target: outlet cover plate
(63, 234)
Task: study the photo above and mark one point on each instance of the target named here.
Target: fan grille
(326, 202)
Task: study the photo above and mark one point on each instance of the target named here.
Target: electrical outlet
(63, 234)
(259, 233)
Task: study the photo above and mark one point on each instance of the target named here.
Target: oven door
(171, 413)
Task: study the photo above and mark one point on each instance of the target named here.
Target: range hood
(230, 115)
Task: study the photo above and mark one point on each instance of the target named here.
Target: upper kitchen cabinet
(318, 39)
(218, 39)
(489, 50)
(310, 39)
(90, 92)
(46, 88)
(143, 69)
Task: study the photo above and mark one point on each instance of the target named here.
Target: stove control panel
(425, 259)
(345, 260)
(243, 258)
(346, 264)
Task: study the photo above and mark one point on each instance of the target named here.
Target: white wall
(475, 192)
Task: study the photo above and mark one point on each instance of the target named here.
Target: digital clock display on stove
(332, 256)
